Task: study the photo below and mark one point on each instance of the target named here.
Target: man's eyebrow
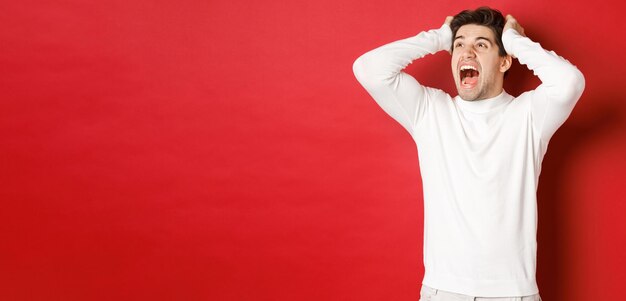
(483, 38)
(478, 38)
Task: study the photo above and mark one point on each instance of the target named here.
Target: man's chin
(466, 93)
(467, 96)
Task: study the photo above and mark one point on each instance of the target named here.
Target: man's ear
(505, 63)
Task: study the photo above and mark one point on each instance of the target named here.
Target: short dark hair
(484, 16)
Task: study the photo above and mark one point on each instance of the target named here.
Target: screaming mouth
(469, 75)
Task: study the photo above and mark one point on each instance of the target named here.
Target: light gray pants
(432, 294)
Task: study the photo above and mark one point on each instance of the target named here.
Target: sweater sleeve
(379, 71)
(562, 83)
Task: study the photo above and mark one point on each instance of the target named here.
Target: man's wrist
(507, 40)
(445, 37)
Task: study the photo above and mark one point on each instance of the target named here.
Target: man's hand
(512, 23)
(448, 21)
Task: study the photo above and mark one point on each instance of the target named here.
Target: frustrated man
(480, 152)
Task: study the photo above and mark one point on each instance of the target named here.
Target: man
(480, 152)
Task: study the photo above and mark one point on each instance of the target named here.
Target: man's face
(477, 68)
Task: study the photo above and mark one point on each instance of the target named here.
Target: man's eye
(482, 45)
(458, 45)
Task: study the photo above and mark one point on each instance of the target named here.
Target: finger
(448, 20)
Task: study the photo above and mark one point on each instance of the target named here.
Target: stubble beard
(480, 92)
(472, 95)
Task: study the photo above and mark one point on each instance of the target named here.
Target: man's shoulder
(437, 94)
(523, 99)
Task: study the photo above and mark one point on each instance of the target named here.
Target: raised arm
(562, 83)
(379, 71)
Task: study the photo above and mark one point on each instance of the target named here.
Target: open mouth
(469, 76)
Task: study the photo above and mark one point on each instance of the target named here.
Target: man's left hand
(512, 23)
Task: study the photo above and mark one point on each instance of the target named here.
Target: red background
(222, 150)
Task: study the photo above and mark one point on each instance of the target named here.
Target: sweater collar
(483, 105)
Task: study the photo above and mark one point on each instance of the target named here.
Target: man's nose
(468, 53)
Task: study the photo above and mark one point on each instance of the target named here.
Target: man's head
(479, 60)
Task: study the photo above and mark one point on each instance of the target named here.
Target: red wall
(222, 150)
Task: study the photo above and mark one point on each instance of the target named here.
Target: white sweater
(479, 161)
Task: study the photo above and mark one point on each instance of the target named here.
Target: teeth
(468, 67)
